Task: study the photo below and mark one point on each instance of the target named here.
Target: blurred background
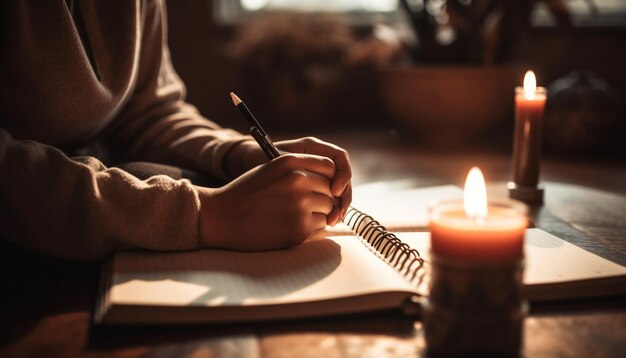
(433, 72)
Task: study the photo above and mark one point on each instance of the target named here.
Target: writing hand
(248, 155)
(341, 182)
(275, 205)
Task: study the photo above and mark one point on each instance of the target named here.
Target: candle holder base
(475, 309)
(530, 195)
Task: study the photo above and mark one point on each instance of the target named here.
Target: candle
(530, 102)
(475, 230)
(475, 306)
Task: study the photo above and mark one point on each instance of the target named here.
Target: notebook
(368, 269)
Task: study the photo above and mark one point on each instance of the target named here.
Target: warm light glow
(254, 5)
(530, 85)
(322, 6)
(475, 195)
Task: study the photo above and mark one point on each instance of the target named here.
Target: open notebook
(328, 274)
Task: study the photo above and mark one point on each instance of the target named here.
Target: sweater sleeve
(157, 124)
(77, 209)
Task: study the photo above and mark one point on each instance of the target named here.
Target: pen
(256, 130)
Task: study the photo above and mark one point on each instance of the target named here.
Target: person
(88, 84)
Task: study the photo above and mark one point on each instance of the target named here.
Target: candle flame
(530, 85)
(475, 195)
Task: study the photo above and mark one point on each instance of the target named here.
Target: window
(359, 11)
(587, 13)
(321, 5)
(584, 12)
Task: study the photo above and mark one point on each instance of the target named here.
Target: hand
(341, 186)
(275, 205)
(248, 155)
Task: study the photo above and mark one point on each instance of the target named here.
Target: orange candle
(474, 230)
(530, 102)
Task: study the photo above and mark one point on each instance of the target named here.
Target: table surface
(47, 305)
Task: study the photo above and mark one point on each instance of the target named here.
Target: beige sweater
(116, 86)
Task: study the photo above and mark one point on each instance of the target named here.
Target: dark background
(200, 52)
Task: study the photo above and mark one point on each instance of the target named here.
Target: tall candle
(530, 102)
(475, 230)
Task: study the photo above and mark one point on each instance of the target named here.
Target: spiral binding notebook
(323, 276)
(370, 269)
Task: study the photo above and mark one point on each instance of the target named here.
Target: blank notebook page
(401, 210)
(548, 258)
(323, 268)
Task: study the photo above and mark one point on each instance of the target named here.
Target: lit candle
(475, 305)
(475, 230)
(530, 102)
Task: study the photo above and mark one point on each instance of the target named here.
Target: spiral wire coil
(406, 260)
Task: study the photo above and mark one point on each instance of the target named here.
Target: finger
(318, 184)
(346, 200)
(334, 216)
(312, 163)
(318, 221)
(338, 155)
(341, 181)
(302, 182)
(343, 171)
(321, 204)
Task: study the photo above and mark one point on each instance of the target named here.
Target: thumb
(313, 163)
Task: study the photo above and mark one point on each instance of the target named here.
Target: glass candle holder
(476, 304)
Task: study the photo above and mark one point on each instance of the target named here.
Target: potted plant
(460, 83)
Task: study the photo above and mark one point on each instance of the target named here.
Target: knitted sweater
(99, 72)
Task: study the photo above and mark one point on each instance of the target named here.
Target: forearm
(81, 210)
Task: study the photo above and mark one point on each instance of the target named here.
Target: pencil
(257, 132)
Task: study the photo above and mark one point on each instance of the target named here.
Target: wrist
(208, 221)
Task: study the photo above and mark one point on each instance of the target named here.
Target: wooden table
(47, 305)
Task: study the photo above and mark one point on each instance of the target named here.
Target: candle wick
(530, 95)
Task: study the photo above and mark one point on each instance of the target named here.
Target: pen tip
(235, 99)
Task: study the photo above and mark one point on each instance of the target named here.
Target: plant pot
(449, 105)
